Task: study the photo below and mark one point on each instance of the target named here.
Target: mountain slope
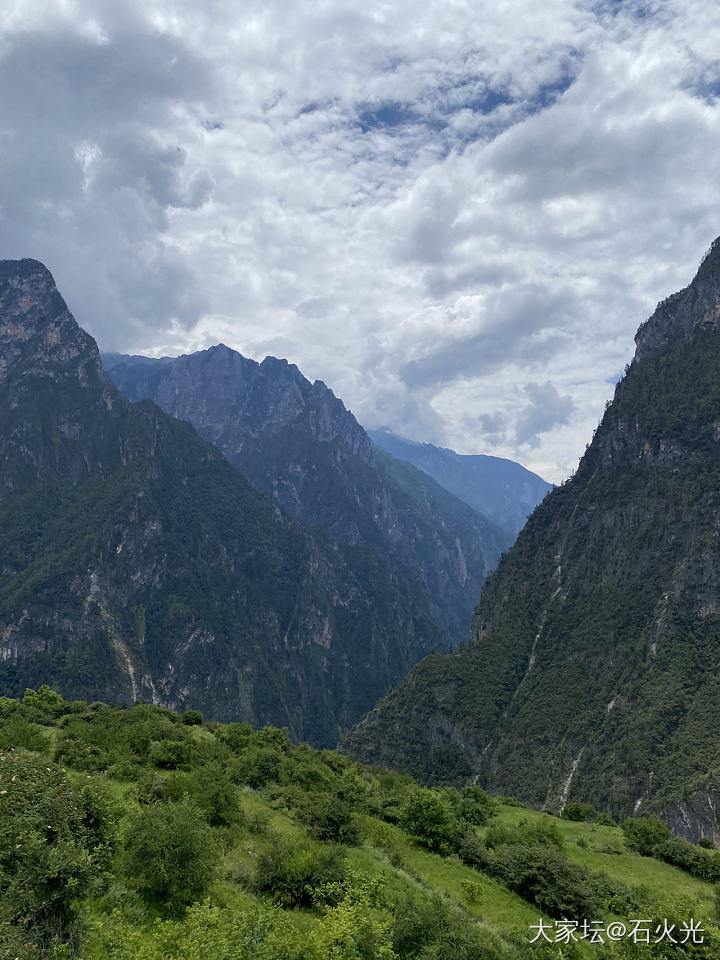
(502, 490)
(594, 663)
(135, 561)
(296, 442)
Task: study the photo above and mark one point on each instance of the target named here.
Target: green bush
(171, 754)
(579, 812)
(18, 732)
(429, 817)
(193, 718)
(169, 853)
(643, 834)
(426, 928)
(210, 791)
(475, 806)
(701, 863)
(543, 832)
(47, 849)
(543, 876)
(298, 875)
(258, 765)
(330, 819)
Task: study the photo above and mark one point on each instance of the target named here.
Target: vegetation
(133, 834)
(594, 661)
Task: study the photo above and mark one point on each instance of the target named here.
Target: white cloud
(430, 208)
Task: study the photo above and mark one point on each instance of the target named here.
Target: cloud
(545, 409)
(424, 207)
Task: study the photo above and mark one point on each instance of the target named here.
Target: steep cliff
(135, 561)
(593, 669)
(296, 442)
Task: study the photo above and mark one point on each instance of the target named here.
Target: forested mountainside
(136, 562)
(296, 442)
(502, 490)
(593, 669)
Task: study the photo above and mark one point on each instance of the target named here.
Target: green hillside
(142, 834)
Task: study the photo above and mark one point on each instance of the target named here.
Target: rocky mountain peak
(53, 391)
(38, 334)
(680, 315)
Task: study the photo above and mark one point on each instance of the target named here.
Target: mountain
(296, 442)
(593, 669)
(502, 490)
(135, 561)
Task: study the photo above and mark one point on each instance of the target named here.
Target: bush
(210, 791)
(296, 875)
(171, 754)
(475, 806)
(330, 819)
(169, 853)
(643, 834)
(258, 766)
(526, 833)
(430, 818)
(18, 732)
(426, 928)
(543, 876)
(579, 812)
(47, 849)
(700, 863)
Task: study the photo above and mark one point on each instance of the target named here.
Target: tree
(170, 853)
(430, 818)
(643, 834)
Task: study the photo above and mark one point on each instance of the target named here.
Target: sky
(456, 214)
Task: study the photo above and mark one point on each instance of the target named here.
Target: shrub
(46, 849)
(429, 817)
(526, 833)
(18, 732)
(171, 754)
(257, 766)
(643, 834)
(579, 812)
(193, 718)
(543, 876)
(475, 806)
(700, 863)
(210, 791)
(330, 819)
(295, 874)
(426, 928)
(169, 853)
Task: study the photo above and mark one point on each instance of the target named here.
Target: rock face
(593, 670)
(135, 561)
(502, 490)
(296, 442)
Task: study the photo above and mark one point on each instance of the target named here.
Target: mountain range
(502, 490)
(297, 443)
(136, 562)
(277, 568)
(593, 668)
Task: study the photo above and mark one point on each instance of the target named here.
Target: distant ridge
(503, 490)
(298, 443)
